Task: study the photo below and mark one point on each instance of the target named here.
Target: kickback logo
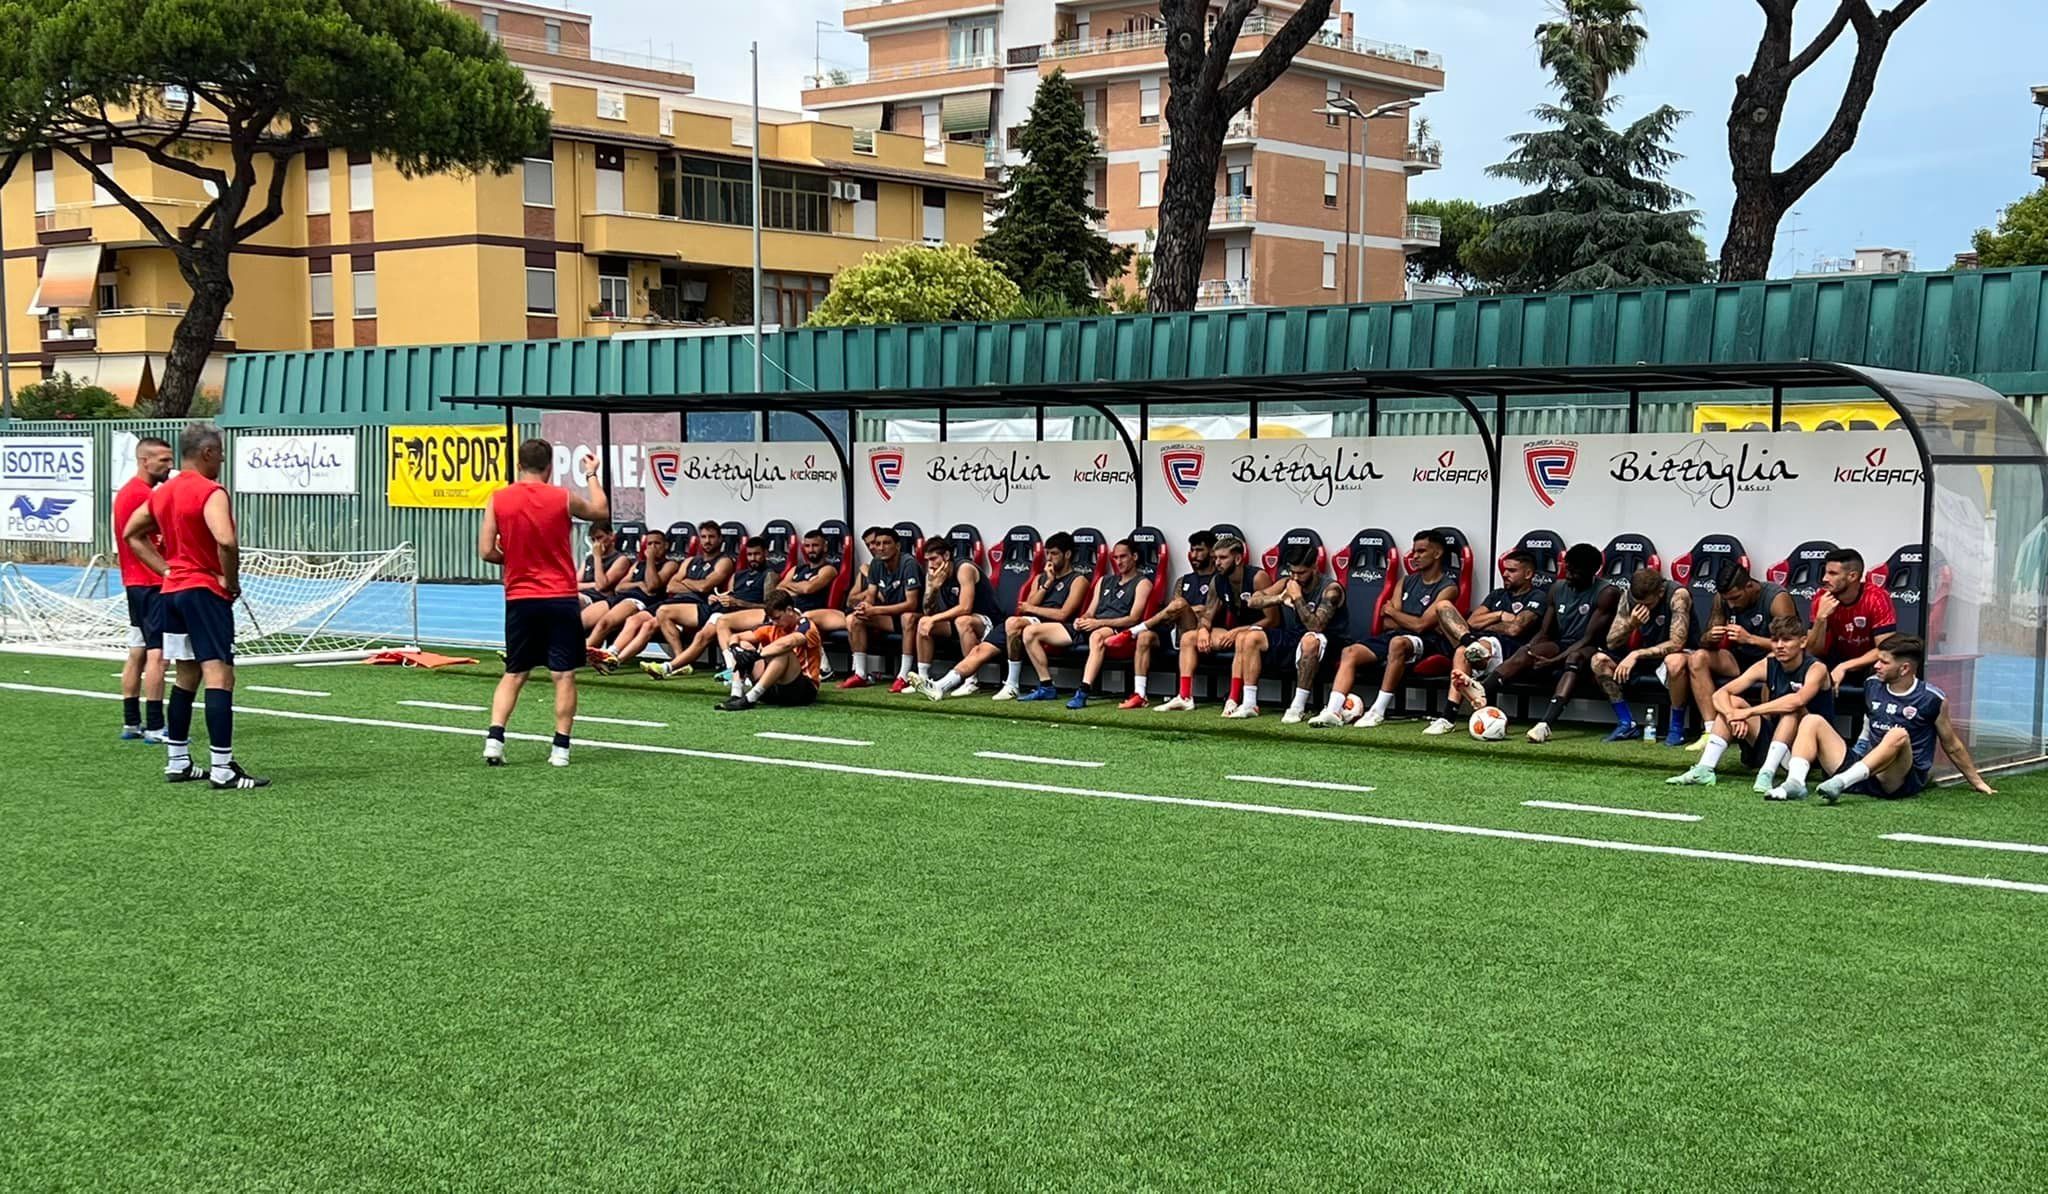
(1703, 472)
(1873, 471)
(885, 468)
(1099, 473)
(996, 477)
(1183, 470)
(1447, 471)
(1311, 476)
(1549, 465)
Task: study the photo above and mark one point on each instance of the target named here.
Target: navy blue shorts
(1914, 783)
(146, 616)
(793, 695)
(199, 625)
(1382, 646)
(543, 632)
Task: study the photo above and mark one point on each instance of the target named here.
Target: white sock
(181, 756)
(950, 681)
(1847, 777)
(1016, 679)
(860, 663)
(1138, 686)
(754, 693)
(1382, 702)
(1795, 771)
(732, 660)
(1774, 758)
(739, 683)
(1336, 705)
(1251, 695)
(1301, 699)
(924, 671)
(903, 668)
(1710, 755)
(223, 763)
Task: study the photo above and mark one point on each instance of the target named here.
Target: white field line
(1010, 758)
(303, 692)
(1976, 843)
(332, 663)
(1601, 808)
(621, 721)
(778, 736)
(1283, 782)
(1308, 814)
(445, 705)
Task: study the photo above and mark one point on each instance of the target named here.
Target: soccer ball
(1354, 708)
(1489, 725)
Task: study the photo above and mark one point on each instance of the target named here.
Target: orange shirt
(809, 649)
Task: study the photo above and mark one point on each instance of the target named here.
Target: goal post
(296, 607)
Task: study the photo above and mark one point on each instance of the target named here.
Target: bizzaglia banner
(46, 492)
(295, 463)
(1773, 491)
(1335, 487)
(745, 483)
(444, 468)
(995, 486)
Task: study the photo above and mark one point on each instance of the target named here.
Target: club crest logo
(1183, 470)
(1549, 465)
(885, 465)
(665, 465)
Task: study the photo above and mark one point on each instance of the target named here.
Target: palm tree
(1589, 42)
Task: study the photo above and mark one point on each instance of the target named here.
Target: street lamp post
(1348, 108)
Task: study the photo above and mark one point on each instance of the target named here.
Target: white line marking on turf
(1601, 808)
(1310, 814)
(1923, 839)
(778, 736)
(621, 721)
(1010, 758)
(331, 663)
(1281, 782)
(304, 692)
(447, 706)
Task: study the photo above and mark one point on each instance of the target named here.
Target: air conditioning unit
(846, 189)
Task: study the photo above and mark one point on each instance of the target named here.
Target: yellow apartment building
(639, 218)
(1285, 229)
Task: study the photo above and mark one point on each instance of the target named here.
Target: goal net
(296, 607)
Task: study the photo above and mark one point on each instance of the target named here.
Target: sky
(1945, 143)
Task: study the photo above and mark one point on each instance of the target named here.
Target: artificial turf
(398, 969)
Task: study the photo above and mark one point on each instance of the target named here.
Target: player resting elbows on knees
(1794, 684)
(1178, 615)
(1305, 636)
(1500, 626)
(1904, 717)
(1579, 609)
(1428, 593)
(1657, 614)
(1054, 596)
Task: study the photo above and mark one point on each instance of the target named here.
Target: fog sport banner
(745, 483)
(1336, 487)
(995, 486)
(444, 468)
(295, 463)
(1771, 490)
(46, 492)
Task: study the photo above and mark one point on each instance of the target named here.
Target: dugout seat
(682, 538)
(1801, 572)
(838, 552)
(1300, 540)
(1091, 559)
(1706, 559)
(631, 536)
(781, 536)
(911, 536)
(1230, 528)
(735, 537)
(1902, 576)
(1014, 561)
(967, 546)
(1155, 563)
(1366, 566)
(1547, 546)
(1625, 554)
(1458, 562)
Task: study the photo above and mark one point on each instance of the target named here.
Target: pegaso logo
(992, 476)
(1183, 470)
(1447, 471)
(1873, 472)
(1703, 472)
(39, 516)
(1549, 465)
(1306, 473)
(1099, 473)
(885, 466)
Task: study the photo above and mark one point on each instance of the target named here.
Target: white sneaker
(1241, 712)
(494, 752)
(1371, 718)
(1441, 725)
(966, 689)
(1230, 708)
(558, 756)
(1174, 704)
(1789, 790)
(928, 689)
(1293, 716)
(1326, 719)
(1540, 732)
(1007, 692)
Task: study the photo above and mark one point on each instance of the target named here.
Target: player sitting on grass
(1428, 592)
(1851, 619)
(1578, 610)
(1658, 615)
(688, 607)
(1219, 623)
(777, 663)
(887, 597)
(959, 603)
(1310, 604)
(1904, 717)
(1178, 615)
(742, 608)
(1497, 629)
(1794, 683)
(632, 620)
(604, 566)
(1053, 596)
(1120, 599)
(1735, 634)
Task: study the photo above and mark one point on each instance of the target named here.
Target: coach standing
(200, 561)
(142, 677)
(527, 530)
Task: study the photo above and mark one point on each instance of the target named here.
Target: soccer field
(689, 960)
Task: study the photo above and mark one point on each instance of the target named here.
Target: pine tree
(1043, 238)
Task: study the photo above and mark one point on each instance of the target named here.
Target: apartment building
(1285, 229)
(638, 219)
(2041, 138)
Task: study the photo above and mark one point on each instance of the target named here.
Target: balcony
(1224, 292)
(2041, 155)
(630, 59)
(1422, 232)
(1424, 153)
(1233, 211)
(1243, 127)
(125, 329)
(875, 14)
(858, 83)
(112, 224)
(1254, 27)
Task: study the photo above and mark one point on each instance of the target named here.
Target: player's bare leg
(1888, 761)
(1013, 651)
(907, 658)
(1308, 660)
(857, 630)
(1245, 666)
(1351, 661)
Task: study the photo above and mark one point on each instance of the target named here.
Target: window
(1330, 96)
(176, 98)
(540, 291)
(1329, 186)
(718, 192)
(611, 105)
(540, 182)
(1329, 269)
(611, 189)
(361, 193)
(934, 215)
(101, 196)
(323, 296)
(46, 191)
(1148, 186)
(1237, 263)
(790, 298)
(489, 17)
(363, 293)
(612, 296)
(971, 42)
(1148, 101)
(554, 32)
(109, 291)
(317, 196)
(1237, 181)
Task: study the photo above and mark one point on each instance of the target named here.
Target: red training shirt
(533, 532)
(1854, 628)
(133, 496)
(179, 507)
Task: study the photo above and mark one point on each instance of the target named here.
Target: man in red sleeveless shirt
(527, 530)
(142, 677)
(193, 520)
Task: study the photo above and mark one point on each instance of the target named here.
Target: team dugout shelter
(1937, 481)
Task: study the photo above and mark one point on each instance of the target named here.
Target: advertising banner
(1796, 416)
(1860, 489)
(295, 463)
(1051, 486)
(445, 468)
(1335, 487)
(633, 435)
(1314, 425)
(46, 489)
(745, 483)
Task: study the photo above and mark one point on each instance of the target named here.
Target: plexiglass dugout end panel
(1987, 606)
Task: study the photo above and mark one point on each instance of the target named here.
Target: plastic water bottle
(1650, 725)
